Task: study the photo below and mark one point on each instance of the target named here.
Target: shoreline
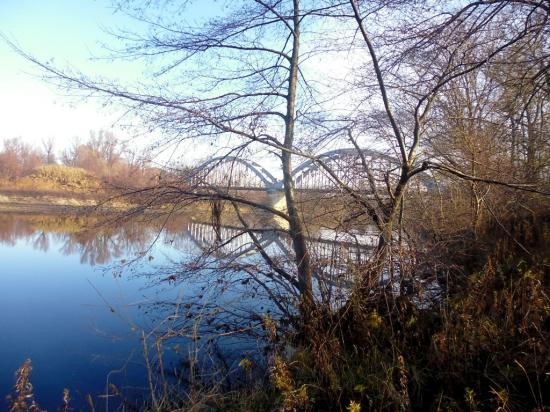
(74, 203)
(79, 204)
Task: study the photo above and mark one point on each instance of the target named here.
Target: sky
(73, 33)
(70, 32)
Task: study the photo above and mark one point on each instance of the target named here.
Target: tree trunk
(296, 226)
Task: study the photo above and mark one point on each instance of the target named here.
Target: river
(77, 297)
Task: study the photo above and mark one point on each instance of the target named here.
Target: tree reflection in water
(89, 237)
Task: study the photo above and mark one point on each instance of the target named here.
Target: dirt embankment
(54, 189)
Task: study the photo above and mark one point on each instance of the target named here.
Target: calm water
(66, 304)
(60, 307)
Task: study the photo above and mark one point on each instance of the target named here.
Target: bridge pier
(277, 201)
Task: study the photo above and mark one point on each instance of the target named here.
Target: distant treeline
(102, 155)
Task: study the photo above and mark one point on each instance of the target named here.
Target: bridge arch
(233, 172)
(346, 163)
(238, 173)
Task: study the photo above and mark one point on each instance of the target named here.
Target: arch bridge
(347, 165)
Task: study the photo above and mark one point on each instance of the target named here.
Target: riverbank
(53, 189)
(54, 203)
(74, 204)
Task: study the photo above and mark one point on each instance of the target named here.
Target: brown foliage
(17, 158)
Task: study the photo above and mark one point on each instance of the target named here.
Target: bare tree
(49, 152)
(248, 89)
(416, 68)
(18, 158)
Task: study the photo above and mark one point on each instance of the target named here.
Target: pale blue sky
(70, 32)
(73, 33)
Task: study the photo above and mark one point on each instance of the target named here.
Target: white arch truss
(347, 164)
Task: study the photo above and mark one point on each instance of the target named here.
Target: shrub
(64, 175)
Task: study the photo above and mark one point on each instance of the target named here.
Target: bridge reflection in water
(196, 251)
(331, 251)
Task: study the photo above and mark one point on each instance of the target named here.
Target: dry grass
(65, 176)
(53, 179)
(23, 398)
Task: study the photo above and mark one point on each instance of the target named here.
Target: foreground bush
(484, 347)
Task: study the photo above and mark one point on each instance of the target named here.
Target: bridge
(235, 173)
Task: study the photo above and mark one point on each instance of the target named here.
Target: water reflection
(202, 291)
(99, 241)
(90, 238)
(201, 253)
